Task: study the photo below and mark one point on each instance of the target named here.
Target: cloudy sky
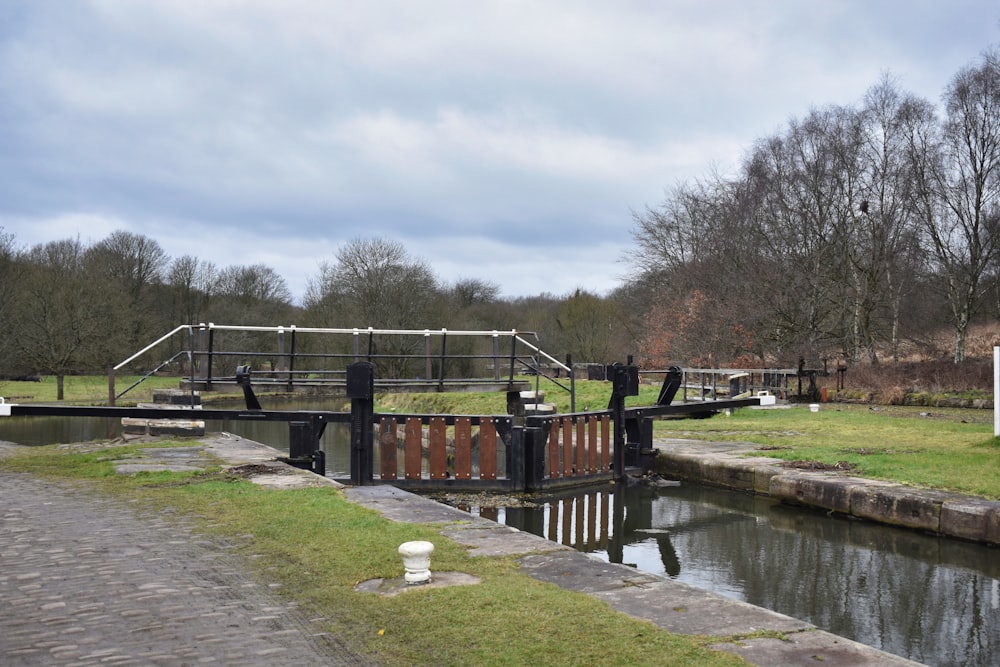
(504, 140)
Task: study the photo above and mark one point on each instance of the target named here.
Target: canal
(930, 599)
(933, 600)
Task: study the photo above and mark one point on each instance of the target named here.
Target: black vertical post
(624, 382)
(572, 383)
(534, 457)
(211, 345)
(515, 459)
(513, 356)
(617, 406)
(496, 356)
(291, 360)
(444, 340)
(361, 391)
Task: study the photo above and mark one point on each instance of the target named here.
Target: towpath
(91, 581)
(87, 580)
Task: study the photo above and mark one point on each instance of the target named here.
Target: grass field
(84, 389)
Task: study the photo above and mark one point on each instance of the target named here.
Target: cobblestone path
(86, 580)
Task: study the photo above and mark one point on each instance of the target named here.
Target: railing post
(111, 387)
(444, 339)
(291, 360)
(361, 391)
(572, 383)
(496, 356)
(208, 366)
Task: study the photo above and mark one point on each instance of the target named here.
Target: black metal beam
(43, 410)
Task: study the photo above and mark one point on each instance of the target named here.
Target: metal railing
(420, 357)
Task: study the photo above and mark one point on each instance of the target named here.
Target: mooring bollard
(417, 561)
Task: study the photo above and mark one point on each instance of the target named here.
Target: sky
(504, 141)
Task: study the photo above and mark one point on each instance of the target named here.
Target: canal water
(933, 600)
(930, 599)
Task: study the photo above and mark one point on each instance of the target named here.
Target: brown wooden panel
(487, 449)
(567, 437)
(592, 445)
(578, 524)
(605, 444)
(387, 448)
(555, 467)
(438, 436)
(463, 448)
(413, 453)
(581, 448)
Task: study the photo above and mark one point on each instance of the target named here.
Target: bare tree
(588, 326)
(134, 265)
(958, 178)
(884, 240)
(375, 283)
(12, 267)
(191, 283)
(61, 313)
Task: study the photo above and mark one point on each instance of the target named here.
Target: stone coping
(727, 465)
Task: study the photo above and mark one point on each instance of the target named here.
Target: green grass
(944, 449)
(591, 395)
(84, 389)
(316, 546)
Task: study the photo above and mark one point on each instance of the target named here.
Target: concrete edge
(670, 605)
(943, 513)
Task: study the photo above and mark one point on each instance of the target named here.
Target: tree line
(858, 230)
(70, 307)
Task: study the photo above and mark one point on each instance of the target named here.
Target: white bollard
(417, 561)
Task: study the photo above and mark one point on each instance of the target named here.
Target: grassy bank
(315, 546)
(946, 449)
(84, 389)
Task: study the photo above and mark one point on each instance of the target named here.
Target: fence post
(515, 459)
(534, 457)
(361, 391)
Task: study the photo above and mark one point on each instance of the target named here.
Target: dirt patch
(463, 500)
(248, 470)
(867, 451)
(816, 465)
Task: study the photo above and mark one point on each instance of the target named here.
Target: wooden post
(463, 448)
(389, 467)
(487, 449)
(413, 452)
(438, 447)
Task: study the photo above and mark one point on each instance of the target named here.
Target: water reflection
(930, 599)
(335, 442)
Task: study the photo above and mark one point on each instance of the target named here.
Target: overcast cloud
(505, 141)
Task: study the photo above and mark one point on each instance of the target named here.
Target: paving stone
(91, 581)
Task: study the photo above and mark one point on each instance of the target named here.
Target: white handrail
(151, 346)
